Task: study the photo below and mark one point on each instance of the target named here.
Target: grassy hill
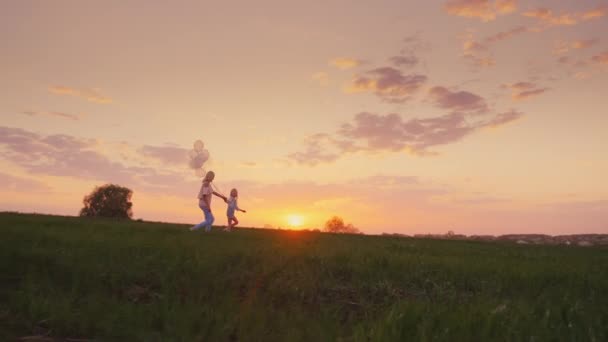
(64, 277)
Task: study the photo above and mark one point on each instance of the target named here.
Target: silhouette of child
(232, 207)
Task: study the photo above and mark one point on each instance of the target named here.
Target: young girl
(232, 207)
(204, 202)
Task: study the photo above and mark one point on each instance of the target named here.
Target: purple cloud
(404, 61)
(458, 100)
(68, 156)
(370, 132)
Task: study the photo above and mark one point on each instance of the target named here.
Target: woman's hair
(209, 176)
(234, 193)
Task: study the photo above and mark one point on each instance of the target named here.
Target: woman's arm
(220, 196)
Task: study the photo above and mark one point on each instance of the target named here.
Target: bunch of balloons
(198, 156)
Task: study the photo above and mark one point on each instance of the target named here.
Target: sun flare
(295, 220)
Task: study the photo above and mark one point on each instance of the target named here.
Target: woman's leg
(208, 219)
(204, 222)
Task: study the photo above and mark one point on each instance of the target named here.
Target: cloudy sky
(477, 116)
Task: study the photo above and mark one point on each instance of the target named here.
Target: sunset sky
(480, 117)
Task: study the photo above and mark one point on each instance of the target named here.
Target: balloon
(199, 146)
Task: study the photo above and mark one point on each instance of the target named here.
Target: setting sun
(295, 220)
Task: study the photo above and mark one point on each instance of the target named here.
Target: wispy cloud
(597, 12)
(168, 155)
(91, 95)
(345, 62)
(404, 61)
(322, 78)
(524, 90)
(314, 151)
(563, 47)
(484, 10)
(388, 83)
(601, 58)
(549, 18)
(61, 115)
(478, 52)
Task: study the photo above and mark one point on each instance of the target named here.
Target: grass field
(75, 278)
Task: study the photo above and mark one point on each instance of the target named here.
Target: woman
(204, 202)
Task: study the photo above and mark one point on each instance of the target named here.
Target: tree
(108, 200)
(336, 225)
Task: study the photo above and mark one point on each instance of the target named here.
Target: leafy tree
(108, 200)
(336, 225)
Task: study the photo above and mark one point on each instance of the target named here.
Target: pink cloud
(91, 95)
(484, 10)
(387, 83)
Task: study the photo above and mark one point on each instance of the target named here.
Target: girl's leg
(229, 223)
(235, 221)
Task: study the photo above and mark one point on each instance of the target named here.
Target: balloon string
(217, 189)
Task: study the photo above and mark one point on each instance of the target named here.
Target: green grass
(123, 280)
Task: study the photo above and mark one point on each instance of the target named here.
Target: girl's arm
(239, 209)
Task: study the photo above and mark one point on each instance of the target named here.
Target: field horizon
(99, 279)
